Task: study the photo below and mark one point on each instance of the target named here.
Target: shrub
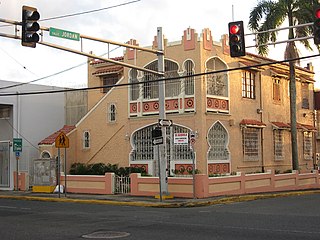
(101, 169)
(78, 169)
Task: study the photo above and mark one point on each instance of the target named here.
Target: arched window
(173, 87)
(150, 89)
(86, 140)
(218, 140)
(142, 147)
(134, 89)
(46, 155)
(112, 110)
(189, 81)
(217, 83)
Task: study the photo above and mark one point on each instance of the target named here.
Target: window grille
(151, 89)
(307, 145)
(251, 144)
(112, 110)
(278, 144)
(217, 83)
(173, 87)
(86, 139)
(135, 88)
(109, 80)
(142, 143)
(248, 85)
(218, 141)
(177, 152)
(189, 81)
(143, 147)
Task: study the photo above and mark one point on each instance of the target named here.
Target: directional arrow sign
(157, 141)
(165, 122)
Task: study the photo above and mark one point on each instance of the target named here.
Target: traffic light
(30, 26)
(316, 25)
(236, 39)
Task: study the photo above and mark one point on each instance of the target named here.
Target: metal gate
(122, 185)
(4, 164)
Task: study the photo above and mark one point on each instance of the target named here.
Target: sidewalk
(127, 200)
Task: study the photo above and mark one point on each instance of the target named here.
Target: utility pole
(162, 115)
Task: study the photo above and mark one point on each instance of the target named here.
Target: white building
(30, 117)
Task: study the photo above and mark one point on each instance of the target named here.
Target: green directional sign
(17, 144)
(55, 32)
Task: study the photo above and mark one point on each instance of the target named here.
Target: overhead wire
(54, 74)
(81, 13)
(59, 17)
(21, 135)
(160, 79)
(90, 11)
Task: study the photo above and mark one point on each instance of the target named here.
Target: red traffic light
(234, 29)
(236, 39)
(316, 25)
(317, 13)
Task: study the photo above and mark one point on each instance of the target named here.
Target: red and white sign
(181, 139)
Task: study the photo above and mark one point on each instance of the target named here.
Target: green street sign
(17, 144)
(55, 32)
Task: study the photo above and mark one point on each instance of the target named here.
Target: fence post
(201, 185)
(109, 183)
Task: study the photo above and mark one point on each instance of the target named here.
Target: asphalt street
(292, 217)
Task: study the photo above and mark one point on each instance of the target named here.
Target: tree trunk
(293, 95)
(293, 117)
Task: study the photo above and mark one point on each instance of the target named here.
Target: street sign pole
(17, 173)
(58, 172)
(17, 148)
(162, 115)
(65, 172)
(192, 140)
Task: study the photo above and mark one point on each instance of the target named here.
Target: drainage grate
(105, 235)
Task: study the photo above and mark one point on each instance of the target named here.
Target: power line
(21, 134)
(90, 11)
(161, 79)
(24, 67)
(82, 13)
(54, 74)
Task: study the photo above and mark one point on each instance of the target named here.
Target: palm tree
(269, 14)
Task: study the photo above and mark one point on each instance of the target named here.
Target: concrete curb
(185, 204)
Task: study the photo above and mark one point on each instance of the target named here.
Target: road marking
(8, 207)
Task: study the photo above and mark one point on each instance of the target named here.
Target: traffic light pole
(162, 115)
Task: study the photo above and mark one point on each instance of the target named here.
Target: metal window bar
(151, 89)
(307, 145)
(143, 147)
(218, 139)
(135, 88)
(278, 144)
(189, 81)
(172, 87)
(251, 144)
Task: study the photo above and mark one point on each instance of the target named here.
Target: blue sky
(138, 20)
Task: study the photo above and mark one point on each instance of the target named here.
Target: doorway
(4, 164)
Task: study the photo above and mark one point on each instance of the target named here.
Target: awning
(252, 123)
(280, 125)
(309, 128)
(108, 70)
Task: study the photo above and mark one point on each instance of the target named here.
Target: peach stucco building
(240, 116)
